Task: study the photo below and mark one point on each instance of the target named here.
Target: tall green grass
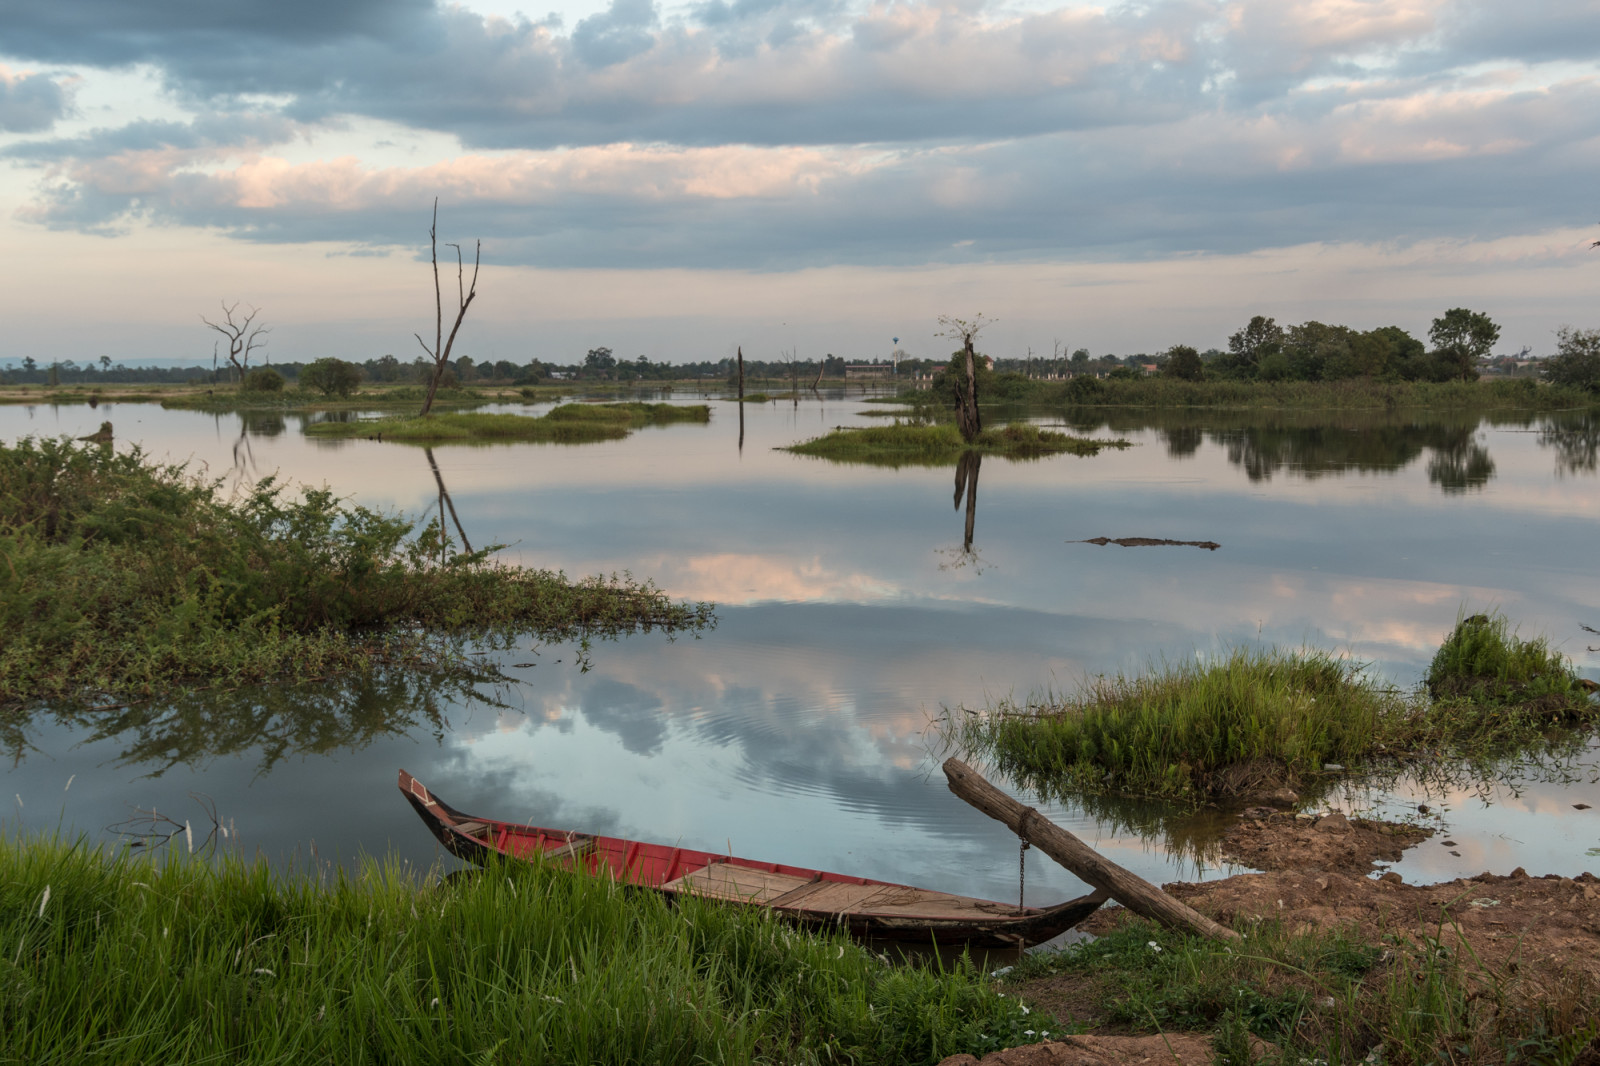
(571, 423)
(940, 444)
(1189, 730)
(117, 960)
(124, 578)
(1200, 731)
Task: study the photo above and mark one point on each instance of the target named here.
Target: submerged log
(1126, 887)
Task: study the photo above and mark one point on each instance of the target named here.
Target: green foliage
(126, 578)
(177, 961)
(263, 379)
(1181, 731)
(1197, 732)
(1183, 362)
(1346, 394)
(1461, 337)
(1577, 360)
(940, 444)
(573, 423)
(1483, 661)
(331, 377)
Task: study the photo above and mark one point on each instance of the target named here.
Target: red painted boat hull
(869, 908)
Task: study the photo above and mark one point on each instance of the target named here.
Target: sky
(807, 176)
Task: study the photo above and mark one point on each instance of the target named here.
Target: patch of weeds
(126, 579)
(921, 443)
(1483, 661)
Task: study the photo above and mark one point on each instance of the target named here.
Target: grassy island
(940, 444)
(572, 423)
(1198, 732)
(127, 579)
(179, 961)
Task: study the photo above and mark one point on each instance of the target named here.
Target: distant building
(868, 370)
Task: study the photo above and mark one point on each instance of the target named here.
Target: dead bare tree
(968, 420)
(243, 336)
(440, 352)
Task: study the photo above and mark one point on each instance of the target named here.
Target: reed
(1203, 731)
(116, 959)
(940, 444)
(568, 424)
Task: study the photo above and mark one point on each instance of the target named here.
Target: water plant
(1199, 731)
(573, 423)
(169, 959)
(940, 444)
(126, 578)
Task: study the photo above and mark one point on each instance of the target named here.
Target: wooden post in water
(1124, 886)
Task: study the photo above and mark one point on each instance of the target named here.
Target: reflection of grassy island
(187, 961)
(1259, 719)
(940, 444)
(127, 579)
(573, 423)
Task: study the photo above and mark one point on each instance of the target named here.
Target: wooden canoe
(877, 909)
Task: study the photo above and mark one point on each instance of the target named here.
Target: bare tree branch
(440, 352)
(243, 336)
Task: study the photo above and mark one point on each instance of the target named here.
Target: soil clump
(1267, 839)
(1171, 1049)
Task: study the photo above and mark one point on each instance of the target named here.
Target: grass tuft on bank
(940, 444)
(573, 423)
(118, 959)
(1199, 732)
(127, 579)
(1317, 995)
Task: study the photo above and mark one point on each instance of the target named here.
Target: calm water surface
(852, 609)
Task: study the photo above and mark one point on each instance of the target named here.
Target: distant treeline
(1458, 349)
(598, 365)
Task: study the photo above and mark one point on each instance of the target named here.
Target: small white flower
(1028, 1032)
(434, 1002)
(263, 969)
(1025, 1009)
(1154, 947)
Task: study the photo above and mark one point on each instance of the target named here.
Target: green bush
(1577, 359)
(331, 377)
(128, 578)
(263, 379)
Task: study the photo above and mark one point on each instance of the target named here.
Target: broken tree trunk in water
(968, 421)
(1124, 886)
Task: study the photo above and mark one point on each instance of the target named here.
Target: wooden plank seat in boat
(726, 880)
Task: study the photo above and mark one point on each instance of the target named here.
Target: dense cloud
(782, 133)
(29, 103)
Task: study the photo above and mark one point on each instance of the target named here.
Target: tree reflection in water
(278, 721)
(967, 468)
(1313, 444)
(1575, 438)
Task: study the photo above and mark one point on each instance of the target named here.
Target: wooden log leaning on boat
(1124, 886)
